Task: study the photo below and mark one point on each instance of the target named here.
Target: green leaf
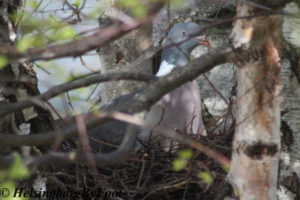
(24, 44)
(179, 164)
(15, 16)
(54, 22)
(30, 41)
(67, 33)
(226, 168)
(64, 33)
(18, 170)
(139, 11)
(129, 3)
(136, 7)
(3, 61)
(206, 177)
(8, 177)
(185, 154)
(76, 4)
(7, 189)
(34, 4)
(96, 109)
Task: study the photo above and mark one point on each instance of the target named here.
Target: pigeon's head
(185, 37)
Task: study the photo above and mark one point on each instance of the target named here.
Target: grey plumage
(179, 109)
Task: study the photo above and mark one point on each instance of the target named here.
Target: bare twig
(73, 48)
(86, 65)
(140, 103)
(143, 101)
(57, 90)
(88, 43)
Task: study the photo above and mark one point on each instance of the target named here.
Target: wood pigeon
(179, 110)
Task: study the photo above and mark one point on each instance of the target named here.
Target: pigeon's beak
(203, 41)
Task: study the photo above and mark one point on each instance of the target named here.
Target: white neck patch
(165, 68)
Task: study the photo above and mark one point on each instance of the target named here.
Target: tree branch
(73, 48)
(272, 3)
(80, 46)
(122, 152)
(7, 108)
(142, 102)
(139, 103)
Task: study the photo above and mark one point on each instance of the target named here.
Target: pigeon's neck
(171, 58)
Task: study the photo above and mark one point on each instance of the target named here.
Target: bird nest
(149, 175)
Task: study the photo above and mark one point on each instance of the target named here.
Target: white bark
(256, 144)
(291, 24)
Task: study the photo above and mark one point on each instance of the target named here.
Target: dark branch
(88, 43)
(57, 90)
(109, 158)
(73, 48)
(142, 102)
(100, 159)
(272, 3)
(82, 45)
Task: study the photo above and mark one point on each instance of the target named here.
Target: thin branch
(87, 66)
(88, 43)
(102, 159)
(270, 3)
(57, 90)
(73, 48)
(215, 89)
(142, 102)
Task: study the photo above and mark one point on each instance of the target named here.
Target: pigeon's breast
(178, 110)
(183, 108)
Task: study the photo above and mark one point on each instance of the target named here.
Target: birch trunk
(256, 144)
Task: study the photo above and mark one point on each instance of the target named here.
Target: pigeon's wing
(121, 99)
(108, 136)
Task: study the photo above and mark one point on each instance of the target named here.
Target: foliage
(181, 161)
(3, 61)
(8, 177)
(206, 177)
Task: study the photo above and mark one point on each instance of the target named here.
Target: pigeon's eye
(183, 33)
